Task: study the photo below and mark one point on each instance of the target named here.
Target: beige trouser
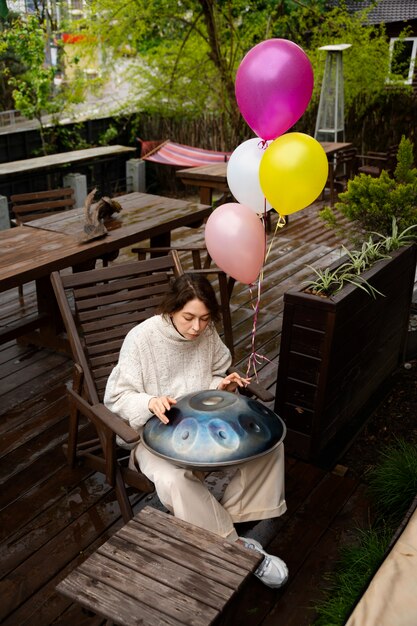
(255, 492)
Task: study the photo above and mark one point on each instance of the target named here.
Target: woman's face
(192, 319)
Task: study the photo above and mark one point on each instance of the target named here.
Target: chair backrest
(198, 260)
(30, 206)
(100, 306)
(346, 162)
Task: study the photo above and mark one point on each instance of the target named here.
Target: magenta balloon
(274, 83)
(235, 240)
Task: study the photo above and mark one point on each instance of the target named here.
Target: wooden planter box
(336, 352)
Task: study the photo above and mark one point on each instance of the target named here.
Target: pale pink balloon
(235, 239)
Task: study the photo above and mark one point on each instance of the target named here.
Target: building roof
(384, 11)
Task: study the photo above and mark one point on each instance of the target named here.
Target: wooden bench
(158, 570)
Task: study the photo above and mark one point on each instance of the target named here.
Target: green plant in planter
(330, 281)
(370, 204)
(395, 240)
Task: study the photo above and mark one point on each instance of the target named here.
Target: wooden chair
(31, 206)
(373, 163)
(197, 260)
(342, 167)
(98, 308)
(345, 170)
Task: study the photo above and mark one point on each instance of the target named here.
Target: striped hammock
(170, 153)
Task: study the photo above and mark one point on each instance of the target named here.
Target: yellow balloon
(293, 172)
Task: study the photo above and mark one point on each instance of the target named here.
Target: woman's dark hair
(188, 287)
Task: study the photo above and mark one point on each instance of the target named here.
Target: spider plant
(396, 239)
(329, 282)
(362, 283)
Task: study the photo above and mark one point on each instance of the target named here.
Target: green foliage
(393, 481)
(357, 564)
(329, 282)
(371, 204)
(405, 173)
(396, 239)
(183, 57)
(392, 486)
(108, 135)
(365, 64)
(66, 137)
(34, 92)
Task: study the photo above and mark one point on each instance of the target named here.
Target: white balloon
(243, 175)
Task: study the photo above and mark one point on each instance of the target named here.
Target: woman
(172, 354)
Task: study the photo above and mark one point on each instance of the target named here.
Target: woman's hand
(232, 381)
(159, 405)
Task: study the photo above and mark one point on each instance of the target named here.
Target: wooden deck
(51, 517)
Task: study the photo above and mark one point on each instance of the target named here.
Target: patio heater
(330, 123)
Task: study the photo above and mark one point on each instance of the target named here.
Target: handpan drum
(214, 429)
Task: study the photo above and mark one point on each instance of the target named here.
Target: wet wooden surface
(53, 161)
(52, 518)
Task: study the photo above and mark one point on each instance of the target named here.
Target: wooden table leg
(206, 195)
(50, 333)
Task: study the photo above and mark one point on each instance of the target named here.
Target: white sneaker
(272, 571)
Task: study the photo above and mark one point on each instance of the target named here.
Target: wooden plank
(23, 457)
(63, 158)
(293, 543)
(162, 565)
(47, 562)
(163, 600)
(307, 583)
(31, 406)
(54, 505)
(206, 564)
(232, 555)
(114, 605)
(27, 385)
(156, 565)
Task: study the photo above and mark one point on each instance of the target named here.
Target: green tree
(184, 55)
(33, 88)
(365, 64)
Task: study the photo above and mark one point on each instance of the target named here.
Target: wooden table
(210, 177)
(206, 178)
(14, 173)
(63, 158)
(333, 147)
(160, 571)
(33, 251)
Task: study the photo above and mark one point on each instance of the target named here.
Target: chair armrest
(99, 412)
(254, 388)
(373, 157)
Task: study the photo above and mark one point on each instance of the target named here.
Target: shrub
(370, 204)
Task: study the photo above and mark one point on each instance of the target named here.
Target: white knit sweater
(155, 360)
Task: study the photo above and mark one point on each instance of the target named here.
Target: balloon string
(281, 222)
(255, 358)
(252, 361)
(263, 144)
